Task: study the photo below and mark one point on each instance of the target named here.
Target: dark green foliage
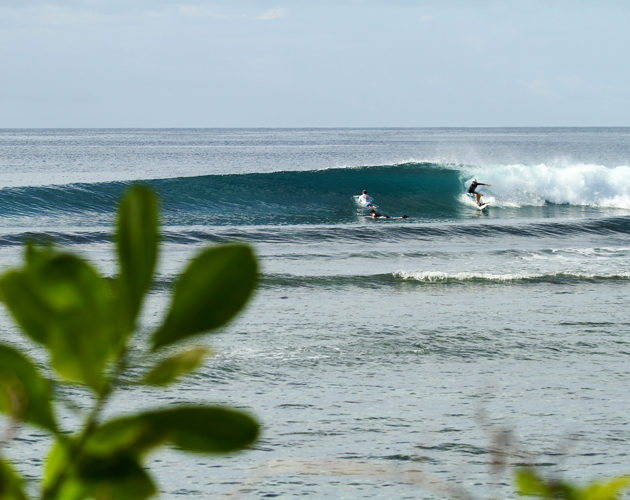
(85, 321)
(113, 476)
(196, 428)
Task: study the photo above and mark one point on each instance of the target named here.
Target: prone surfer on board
(375, 215)
(365, 199)
(473, 187)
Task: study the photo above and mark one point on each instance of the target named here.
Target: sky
(314, 63)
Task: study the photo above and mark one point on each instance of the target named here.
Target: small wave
(352, 236)
(57, 237)
(433, 277)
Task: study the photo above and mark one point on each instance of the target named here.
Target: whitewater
(382, 357)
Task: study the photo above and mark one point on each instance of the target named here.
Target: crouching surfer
(472, 190)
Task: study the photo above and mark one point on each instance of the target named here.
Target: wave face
(424, 191)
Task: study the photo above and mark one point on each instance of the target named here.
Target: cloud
(555, 86)
(50, 16)
(276, 13)
(540, 87)
(202, 11)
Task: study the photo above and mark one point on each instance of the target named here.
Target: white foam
(558, 182)
(443, 277)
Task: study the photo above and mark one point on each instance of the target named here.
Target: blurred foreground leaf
(85, 322)
(10, 483)
(60, 301)
(529, 483)
(118, 477)
(167, 371)
(115, 477)
(209, 293)
(137, 245)
(606, 490)
(203, 429)
(24, 393)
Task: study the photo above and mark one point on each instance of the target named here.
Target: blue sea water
(384, 358)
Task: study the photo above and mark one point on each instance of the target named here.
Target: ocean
(387, 358)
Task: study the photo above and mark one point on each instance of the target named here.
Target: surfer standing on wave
(473, 187)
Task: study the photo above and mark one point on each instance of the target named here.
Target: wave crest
(559, 183)
(467, 277)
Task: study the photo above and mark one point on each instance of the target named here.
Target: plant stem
(76, 447)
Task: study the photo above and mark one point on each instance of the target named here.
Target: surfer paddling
(375, 215)
(472, 190)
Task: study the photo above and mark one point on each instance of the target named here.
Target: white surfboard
(482, 206)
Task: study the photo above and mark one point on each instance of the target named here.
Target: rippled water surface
(386, 358)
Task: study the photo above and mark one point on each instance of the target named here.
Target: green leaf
(203, 429)
(10, 483)
(168, 370)
(214, 287)
(529, 484)
(606, 490)
(24, 393)
(60, 301)
(137, 245)
(55, 462)
(117, 476)
(21, 297)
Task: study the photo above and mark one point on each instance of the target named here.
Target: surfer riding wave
(472, 190)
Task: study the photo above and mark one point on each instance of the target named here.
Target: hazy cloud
(361, 62)
(555, 86)
(276, 13)
(203, 11)
(540, 87)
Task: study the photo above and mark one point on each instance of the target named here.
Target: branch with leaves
(85, 322)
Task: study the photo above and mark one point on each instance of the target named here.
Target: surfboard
(482, 206)
(387, 217)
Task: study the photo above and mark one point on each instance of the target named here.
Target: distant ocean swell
(425, 191)
(433, 278)
(422, 279)
(368, 234)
